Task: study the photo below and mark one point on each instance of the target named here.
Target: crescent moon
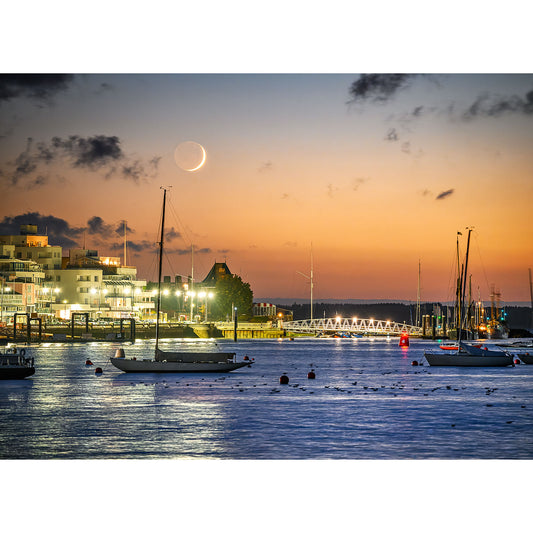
(204, 157)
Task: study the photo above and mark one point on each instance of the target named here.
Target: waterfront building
(30, 246)
(36, 279)
(100, 286)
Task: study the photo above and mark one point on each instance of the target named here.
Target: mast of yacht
(160, 269)
(125, 245)
(464, 276)
(417, 314)
(311, 281)
(531, 296)
(458, 289)
(192, 280)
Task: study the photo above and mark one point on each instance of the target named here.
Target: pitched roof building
(218, 271)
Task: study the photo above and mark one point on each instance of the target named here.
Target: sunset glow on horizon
(370, 174)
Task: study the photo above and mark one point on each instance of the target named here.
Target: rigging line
(167, 257)
(452, 281)
(185, 235)
(481, 261)
(184, 232)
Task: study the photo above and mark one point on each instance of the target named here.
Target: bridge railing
(352, 325)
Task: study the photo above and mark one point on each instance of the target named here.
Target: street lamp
(210, 295)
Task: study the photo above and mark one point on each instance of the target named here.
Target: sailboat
(184, 361)
(467, 354)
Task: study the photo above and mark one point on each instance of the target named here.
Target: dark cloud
(172, 234)
(445, 194)
(37, 87)
(378, 87)
(59, 232)
(496, 106)
(392, 135)
(187, 251)
(97, 226)
(135, 246)
(90, 153)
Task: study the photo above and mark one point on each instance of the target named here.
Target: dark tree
(232, 290)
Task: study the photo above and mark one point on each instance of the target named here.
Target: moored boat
(467, 354)
(180, 362)
(167, 362)
(15, 365)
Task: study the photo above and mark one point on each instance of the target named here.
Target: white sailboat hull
(149, 365)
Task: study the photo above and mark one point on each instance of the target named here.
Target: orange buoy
(246, 358)
(98, 370)
(414, 363)
(517, 361)
(88, 362)
(284, 380)
(311, 375)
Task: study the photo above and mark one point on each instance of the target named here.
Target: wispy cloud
(357, 182)
(265, 167)
(332, 189)
(445, 194)
(496, 106)
(99, 152)
(392, 135)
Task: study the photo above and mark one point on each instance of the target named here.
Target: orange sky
(291, 165)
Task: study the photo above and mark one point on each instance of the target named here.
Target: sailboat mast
(125, 245)
(464, 276)
(531, 296)
(192, 281)
(417, 314)
(311, 281)
(458, 289)
(160, 269)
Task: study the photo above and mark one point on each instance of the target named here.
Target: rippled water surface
(367, 402)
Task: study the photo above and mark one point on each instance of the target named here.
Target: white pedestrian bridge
(367, 326)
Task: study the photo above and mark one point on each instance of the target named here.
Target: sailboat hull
(160, 367)
(449, 359)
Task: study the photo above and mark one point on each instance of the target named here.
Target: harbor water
(367, 401)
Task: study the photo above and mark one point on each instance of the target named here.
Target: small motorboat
(15, 365)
